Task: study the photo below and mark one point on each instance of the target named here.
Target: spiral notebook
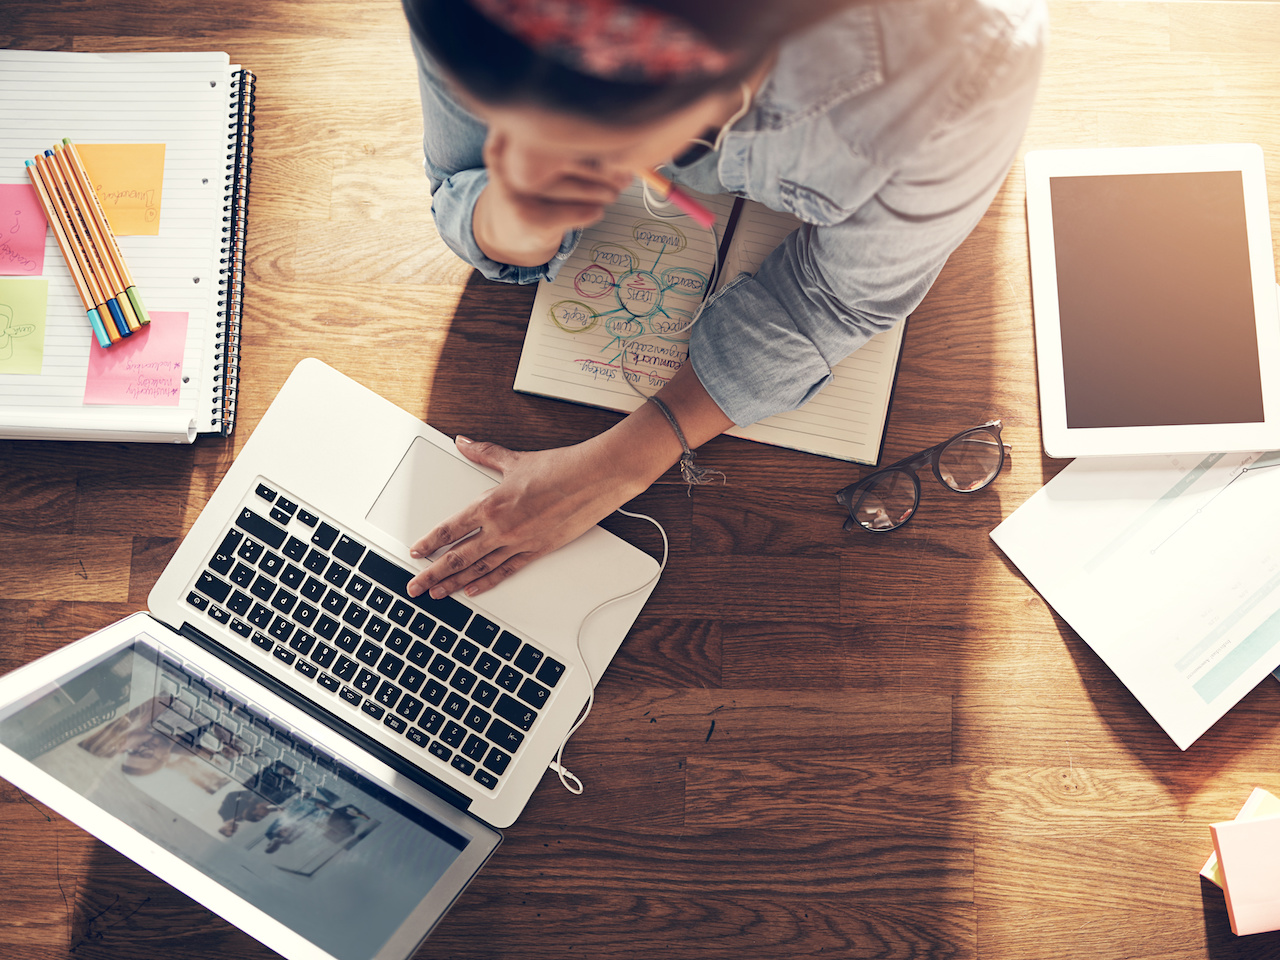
(196, 110)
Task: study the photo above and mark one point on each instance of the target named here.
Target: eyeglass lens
(887, 501)
(970, 462)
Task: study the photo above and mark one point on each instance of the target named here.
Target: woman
(886, 127)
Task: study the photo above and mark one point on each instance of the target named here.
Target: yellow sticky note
(127, 178)
(1260, 804)
(22, 324)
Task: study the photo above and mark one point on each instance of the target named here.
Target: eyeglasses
(886, 499)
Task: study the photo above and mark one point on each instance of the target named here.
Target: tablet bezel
(1059, 439)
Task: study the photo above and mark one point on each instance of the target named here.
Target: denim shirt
(887, 129)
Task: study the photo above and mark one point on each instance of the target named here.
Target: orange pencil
(98, 242)
(65, 245)
(93, 270)
(113, 246)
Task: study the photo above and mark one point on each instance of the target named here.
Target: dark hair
(498, 68)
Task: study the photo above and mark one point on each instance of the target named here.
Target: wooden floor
(813, 743)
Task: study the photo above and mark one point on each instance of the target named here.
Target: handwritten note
(22, 231)
(127, 178)
(22, 313)
(144, 370)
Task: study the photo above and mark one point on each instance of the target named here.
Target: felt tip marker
(687, 205)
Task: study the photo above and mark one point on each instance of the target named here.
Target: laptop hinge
(317, 712)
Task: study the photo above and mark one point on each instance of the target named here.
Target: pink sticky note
(1249, 855)
(22, 231)
(144, 370)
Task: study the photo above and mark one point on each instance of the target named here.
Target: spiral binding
(234, 225)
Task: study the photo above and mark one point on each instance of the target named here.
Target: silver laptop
(288, 737)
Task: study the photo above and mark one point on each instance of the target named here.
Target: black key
(431, 720)
(455, 706)
(347, 640)
(225, 556)
(306, 614)
(284, 600)
(409, 707)
(417, 736)
(324, 536)
(336, 573)
(351, 696)
(476, 719)
(401, 613)
(380, 600)
(485, 694)
(459, 762)
(280, 517)
(422, 625)
(263, 587)
(440, 667)
(306, 668)
(359, 587)
(482, 631)
(397, 640)
(366, 681)
(390, 666)
(395, 578)
(213, 587)
(486, 779)
(452, 734)
(242, 575)
(197, 601)
(328, 682)
(240, 603)
(260, 615)
(534, 694)
(356, 615)
(394, 722)
(487, 665)
(241, 628)
(316, 561)
(265, 492)
(218, 615)
(250, 550)
(528, 658)
(515, 712)
(463, 680)
(262, 528)
(347, 550)
(377, 628)
(465, 652)
(286, 505)
(293, 576)
(302, 642)
(281, 653)
(323, 655)
(313, 589)
(419, 653)
(508, 738)
(443, 639)
(509, 679)
(345, 668)
(326, 626)
(295, 549)
(262, 641)
(497, 761)
(506, 645)
(271, 564)
(411, 679)
(474, 747)
(387, 694)
(434, 692)
(369, 652)
(439, 750)
(372, 709)
(551, 671)
(334, 602)
(281, 629)
(308, 518)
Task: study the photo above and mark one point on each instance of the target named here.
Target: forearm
(494, 236)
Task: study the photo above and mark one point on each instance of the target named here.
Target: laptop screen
(314, 845)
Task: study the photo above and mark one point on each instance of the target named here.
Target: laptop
(289, 738)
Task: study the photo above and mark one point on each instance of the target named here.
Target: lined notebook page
(180, 100)
(617, 301)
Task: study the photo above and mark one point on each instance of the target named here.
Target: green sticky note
(22, 326)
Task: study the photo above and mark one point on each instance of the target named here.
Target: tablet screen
(1155, 300)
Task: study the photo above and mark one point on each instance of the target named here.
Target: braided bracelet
(691, 472)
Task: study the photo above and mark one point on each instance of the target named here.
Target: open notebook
(622, 302)
(196, 109)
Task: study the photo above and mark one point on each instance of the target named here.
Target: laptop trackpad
(429, 485)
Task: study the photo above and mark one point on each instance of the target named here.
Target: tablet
(1154, 292)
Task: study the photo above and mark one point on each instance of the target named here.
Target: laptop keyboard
(321, 610)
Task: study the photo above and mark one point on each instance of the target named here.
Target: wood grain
(813, 743)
